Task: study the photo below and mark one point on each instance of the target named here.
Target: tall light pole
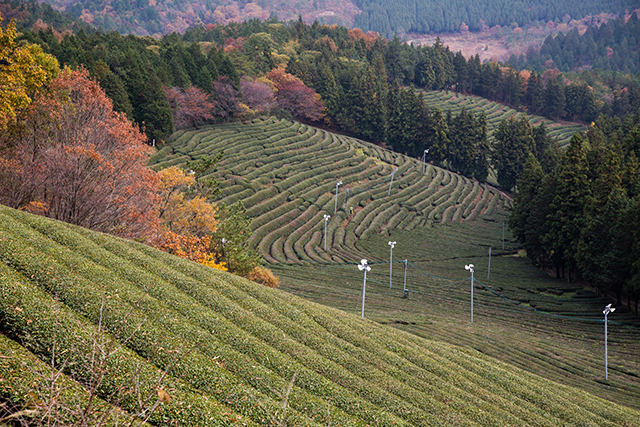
(391, 183)
(335, 207)
(608, 309)
(392, 244)
(424, 161)
(364, 267)
(470, 268)
(405, 293)
(326, 218)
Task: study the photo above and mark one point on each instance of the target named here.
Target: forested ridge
(157, 17)
(353, 72)
(614, 46)
(446, 16)
(583, 217)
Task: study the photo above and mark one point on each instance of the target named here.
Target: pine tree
(514, 143)
(523, 212)
(554, 97)
(567, 206)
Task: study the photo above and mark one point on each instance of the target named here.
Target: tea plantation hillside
(286, 174)
(496, 112)
(215, 349)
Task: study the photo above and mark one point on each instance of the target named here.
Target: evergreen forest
(613, 46)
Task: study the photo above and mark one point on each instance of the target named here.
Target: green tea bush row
(469, 201)
(187, 308)
(27, 383)
(479, 207)
(157, 346)
(34, 325)
(280, 216)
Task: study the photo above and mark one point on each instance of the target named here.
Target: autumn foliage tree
(226, 97)
(23, 69)
(258, 95)
(72, 158)
(190, 106)
(294, 96)
(186, 223)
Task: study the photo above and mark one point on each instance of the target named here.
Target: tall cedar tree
(514, 143)
(569, 200)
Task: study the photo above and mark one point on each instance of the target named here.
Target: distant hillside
(157, 17)
(208, 348)
(423, 16)
(613, 46)
(34, 15)
(144, 17)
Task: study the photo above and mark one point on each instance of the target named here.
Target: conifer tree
(567, 206)
(514, 143)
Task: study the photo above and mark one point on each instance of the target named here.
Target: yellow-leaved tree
(187, 224)
(24, 68)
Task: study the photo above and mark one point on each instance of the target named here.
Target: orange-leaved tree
(72, 158)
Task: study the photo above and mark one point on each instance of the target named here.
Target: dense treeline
(615, 45)
(30, 13)
(66, 154)
(134, 70)
(582, 218)
(399, 17)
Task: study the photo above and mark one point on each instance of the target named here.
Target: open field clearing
(286, 173)
(231, 348)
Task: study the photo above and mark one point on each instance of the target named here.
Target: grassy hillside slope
(230, 347)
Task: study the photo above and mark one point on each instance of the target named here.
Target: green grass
(230, 346)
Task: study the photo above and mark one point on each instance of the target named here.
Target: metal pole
(325, 234)
(404, 287)
(472, 295)
(503, 235)
(391, 183)
(364, 288)
(424, 161)
(335, 206)
(390, 264)
(608, 309)
(391, 245)
(326, 217)
(606, 373)
(489, 266)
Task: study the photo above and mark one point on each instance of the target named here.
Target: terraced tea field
(214, 349)
(286, 175)
(496, 112)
